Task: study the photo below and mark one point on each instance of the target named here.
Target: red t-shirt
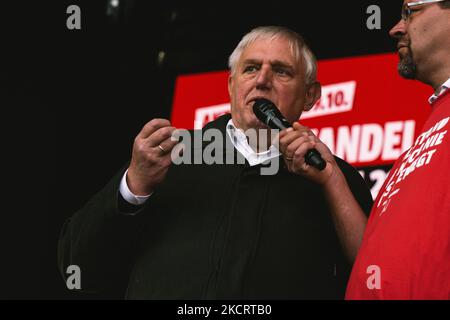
(405, 253)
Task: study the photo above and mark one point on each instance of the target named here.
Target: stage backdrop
(368, 115)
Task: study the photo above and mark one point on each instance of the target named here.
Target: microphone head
(266, 112)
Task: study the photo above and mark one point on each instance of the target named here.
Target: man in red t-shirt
(405, 253)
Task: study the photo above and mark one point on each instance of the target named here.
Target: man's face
(422, 39)
(267, 69)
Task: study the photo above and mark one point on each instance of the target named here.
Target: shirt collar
(441, 91)
(239, 141)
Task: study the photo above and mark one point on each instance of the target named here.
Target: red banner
(368, 115)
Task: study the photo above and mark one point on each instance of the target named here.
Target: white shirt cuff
(128, 195)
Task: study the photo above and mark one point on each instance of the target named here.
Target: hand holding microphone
(269, 114)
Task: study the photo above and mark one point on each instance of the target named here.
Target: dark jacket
(213, 232)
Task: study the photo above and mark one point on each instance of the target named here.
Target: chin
(260, 126)
(254, 123)
(249, 121)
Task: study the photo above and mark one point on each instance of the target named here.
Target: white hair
(296, 42)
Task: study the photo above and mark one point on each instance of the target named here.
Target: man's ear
(313, 93)
(230, 83)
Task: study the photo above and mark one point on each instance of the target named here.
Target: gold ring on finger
(161, 148)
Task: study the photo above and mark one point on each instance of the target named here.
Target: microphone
(269, 114)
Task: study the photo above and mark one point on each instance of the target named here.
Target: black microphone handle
(278, 124)
(312, 156)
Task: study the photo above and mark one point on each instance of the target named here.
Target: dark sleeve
(101, 238)
(357, 185)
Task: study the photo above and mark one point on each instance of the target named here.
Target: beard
(407, 68)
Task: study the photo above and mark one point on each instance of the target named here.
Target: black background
(75, 99)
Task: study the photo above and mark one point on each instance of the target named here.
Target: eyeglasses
(407, 8)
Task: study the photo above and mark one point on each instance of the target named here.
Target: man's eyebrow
(278, 63)
(251, 61)
(274, 63)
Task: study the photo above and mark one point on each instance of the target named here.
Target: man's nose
(398, 30)
(264, 78)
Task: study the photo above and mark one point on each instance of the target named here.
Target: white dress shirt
(240, 142)
(441, 91)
